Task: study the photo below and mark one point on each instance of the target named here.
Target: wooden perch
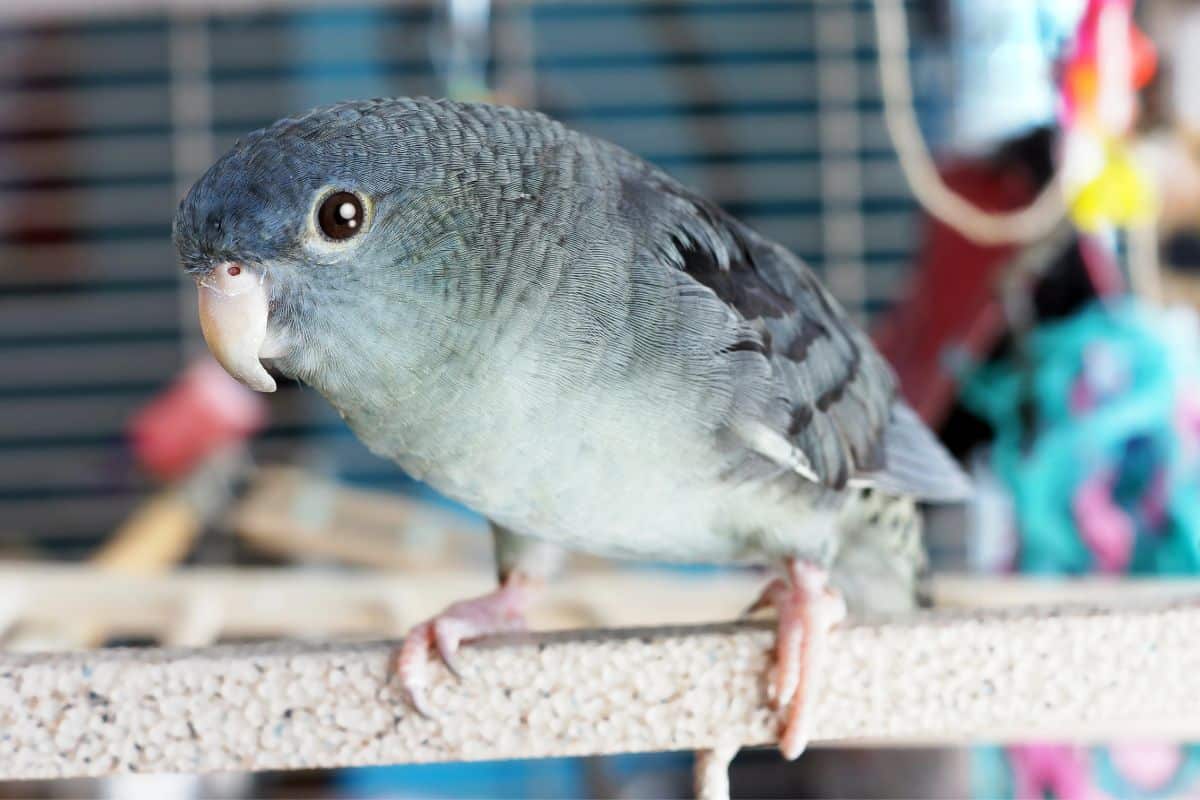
(298, 514)
(942, 677)
(272, 603)
(68, 603)
(292, 512)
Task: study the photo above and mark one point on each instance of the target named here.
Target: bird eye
(340, 215)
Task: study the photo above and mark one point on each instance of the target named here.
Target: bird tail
(915, 462)
(881, 560)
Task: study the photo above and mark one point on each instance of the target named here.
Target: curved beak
(234, 304)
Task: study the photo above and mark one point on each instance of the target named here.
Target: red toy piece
(952, 300)
(203, 411)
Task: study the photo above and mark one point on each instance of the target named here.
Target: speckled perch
(939, 677)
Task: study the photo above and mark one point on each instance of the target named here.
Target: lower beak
(233, 317)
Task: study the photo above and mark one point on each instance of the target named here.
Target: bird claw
(770, 597)
(447, 641)
(808, 608)
(410, 663)
(501, 611)
(417, 702)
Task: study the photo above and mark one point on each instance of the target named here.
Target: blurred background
(1033, 285)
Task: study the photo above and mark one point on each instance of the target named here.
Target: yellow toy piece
(1120, 195)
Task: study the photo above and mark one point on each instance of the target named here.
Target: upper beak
(234, 304)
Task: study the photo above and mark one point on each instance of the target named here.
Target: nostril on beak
(234, 311)
(231, 279)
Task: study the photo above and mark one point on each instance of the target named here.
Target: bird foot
(500, 611)
(808, 609)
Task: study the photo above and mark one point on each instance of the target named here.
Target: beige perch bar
(940, 677)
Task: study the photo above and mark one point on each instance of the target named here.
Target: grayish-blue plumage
(558, 334)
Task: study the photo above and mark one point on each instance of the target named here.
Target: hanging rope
(983, 227)
(711, 772)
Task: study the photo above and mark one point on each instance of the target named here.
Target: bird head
(293, 227)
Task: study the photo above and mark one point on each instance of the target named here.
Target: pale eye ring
(341, 215)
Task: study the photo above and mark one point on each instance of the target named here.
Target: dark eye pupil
(340, 215)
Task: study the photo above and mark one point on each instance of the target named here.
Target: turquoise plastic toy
(1098, 439)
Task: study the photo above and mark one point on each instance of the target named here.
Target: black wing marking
(839, 389)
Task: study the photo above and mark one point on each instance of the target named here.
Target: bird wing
(842, 423)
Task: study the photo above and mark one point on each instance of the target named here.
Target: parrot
(557, 334)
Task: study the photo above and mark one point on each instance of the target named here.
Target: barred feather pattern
(555, 332)
(881, 555)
